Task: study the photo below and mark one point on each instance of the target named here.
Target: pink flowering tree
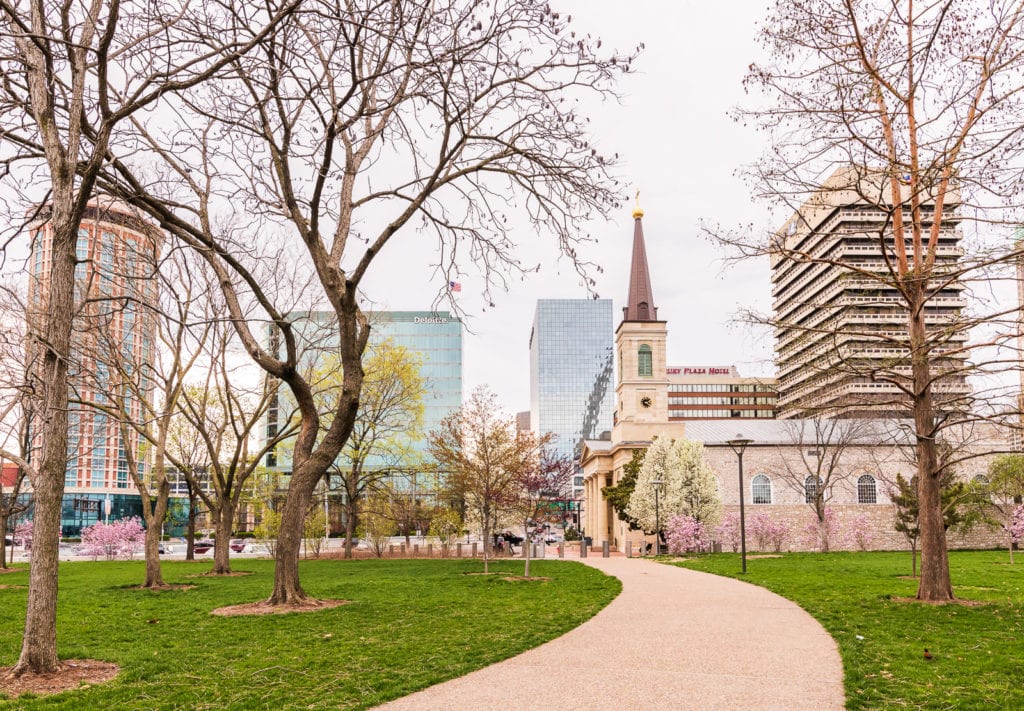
(824, 532)
(685, 533)
(728, 531)
(768, 533)
(23, 533)
(860, 533)
(120, 539)
(1015, 527)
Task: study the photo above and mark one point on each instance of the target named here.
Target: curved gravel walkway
(673, 639)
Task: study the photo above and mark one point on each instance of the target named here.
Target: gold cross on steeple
(637, 212)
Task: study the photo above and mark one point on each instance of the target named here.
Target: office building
(434, 336)
(841, 324)
(572, 371)
(701, 392)
(117, 253)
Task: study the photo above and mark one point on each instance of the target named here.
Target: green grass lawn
(411, 624)
(978, 651)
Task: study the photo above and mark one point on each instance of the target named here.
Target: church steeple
(640, 301)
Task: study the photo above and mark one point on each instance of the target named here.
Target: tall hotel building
(117, 253)
(572, 375)
(840, 324)
(435, 336)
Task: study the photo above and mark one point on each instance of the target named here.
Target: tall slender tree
(915, 109)
(75, 72)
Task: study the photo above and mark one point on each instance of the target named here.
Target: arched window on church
(812, 485)
(645, 361)
(867, 491)
(761, 489)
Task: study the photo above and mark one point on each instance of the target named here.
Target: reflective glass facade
(572, 383)
(435, 336)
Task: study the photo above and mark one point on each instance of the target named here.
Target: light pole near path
(738, 444)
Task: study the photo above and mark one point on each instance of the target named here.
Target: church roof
(640, 301)
(802, 432)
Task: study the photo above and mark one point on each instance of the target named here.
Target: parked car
(201, 547)
(238, 545)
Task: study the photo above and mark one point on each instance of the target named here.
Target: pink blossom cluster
(23, 533)
(860, 533)
(728, 531)
(823, 534)
(768, 533)
(119, 539)
(685, 533)
(1016, 526)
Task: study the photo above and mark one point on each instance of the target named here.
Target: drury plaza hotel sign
(699, 370)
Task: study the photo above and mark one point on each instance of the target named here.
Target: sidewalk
(673, 639)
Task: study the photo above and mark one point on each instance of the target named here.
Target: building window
(761, 489)
(645, 361)
(867, 492)
(812, 485)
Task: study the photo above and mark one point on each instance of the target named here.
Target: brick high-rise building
(114, 282)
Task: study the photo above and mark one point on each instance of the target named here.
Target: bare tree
(15, 409)
(142, 343)
(73, 72)
(915, 109)
(223, 414)
(822, 463)
(358, 122)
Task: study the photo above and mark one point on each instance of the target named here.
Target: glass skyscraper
(572, 383)
(434, 336)
(437, 337)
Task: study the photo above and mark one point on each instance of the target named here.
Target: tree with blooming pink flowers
(824, 532)
(118, 539)
(728, 531)
(860, 533)
(23, 533)
(685, 533)
(1015, 528)
(768, 533)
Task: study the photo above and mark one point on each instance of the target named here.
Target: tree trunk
(350, 525)
(222, 539)
(190, 531)
(154, 522)
(287, 590)
(935, 582)
(3, 542)
(528, 545)
(913, 559)
(39, 644)
(487, 540)
(1009, 544)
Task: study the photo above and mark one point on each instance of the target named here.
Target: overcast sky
(681, 151)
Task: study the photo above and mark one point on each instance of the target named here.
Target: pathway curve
(673, 639)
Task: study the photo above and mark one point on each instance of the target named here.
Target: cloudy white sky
(681, 151)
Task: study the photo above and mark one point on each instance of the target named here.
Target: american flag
(454, 286)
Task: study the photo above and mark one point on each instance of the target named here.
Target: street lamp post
(657, 517)
(738, 444)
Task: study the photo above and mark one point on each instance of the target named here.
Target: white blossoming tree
(688, 485)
